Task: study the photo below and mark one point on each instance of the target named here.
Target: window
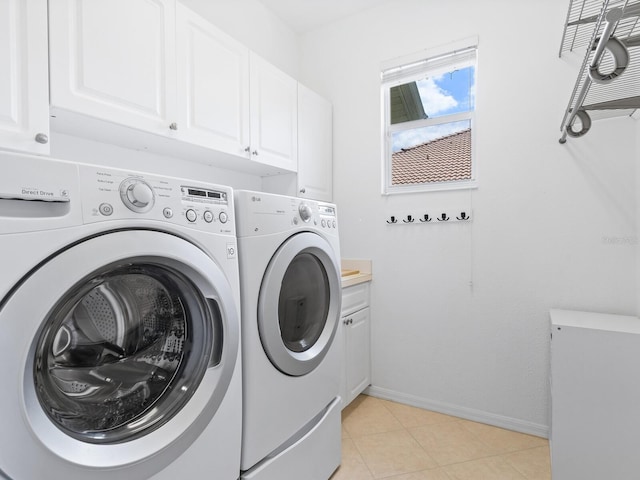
(429, 103)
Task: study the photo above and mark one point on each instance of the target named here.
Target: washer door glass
(299, 304)
(122, 352)
(304, 302)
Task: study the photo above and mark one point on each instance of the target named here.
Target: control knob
(137, 195)
(305, 212)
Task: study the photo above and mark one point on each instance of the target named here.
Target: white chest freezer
(595, 396)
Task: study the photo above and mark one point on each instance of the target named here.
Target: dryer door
(124, 346)
(299, 303)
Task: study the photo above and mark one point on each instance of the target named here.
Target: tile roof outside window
(445, 159)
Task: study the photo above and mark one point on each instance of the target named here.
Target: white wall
(460, 311)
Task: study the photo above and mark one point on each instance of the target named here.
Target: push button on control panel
(223, 217)
(105, 209)
(167, 212)
(191, 215)
(208, 216)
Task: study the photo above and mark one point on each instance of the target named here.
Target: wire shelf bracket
(609, 81)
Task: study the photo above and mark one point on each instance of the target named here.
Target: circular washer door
(124, 346)
(299, 304)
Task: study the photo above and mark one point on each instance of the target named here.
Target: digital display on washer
(201, 194)
(197, 193)
(327, 210)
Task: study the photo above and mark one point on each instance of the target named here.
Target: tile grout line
(363, 460)
(458, 420)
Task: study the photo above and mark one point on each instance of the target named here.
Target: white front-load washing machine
(119, 312)
(290, 288)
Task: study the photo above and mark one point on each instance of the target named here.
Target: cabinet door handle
(303, 190)
(173, 126)
(248, 149)
(255, 152)
(42, 138)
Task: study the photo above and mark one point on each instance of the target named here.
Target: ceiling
(306, 15)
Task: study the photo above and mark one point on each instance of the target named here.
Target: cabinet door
(115, 60)
(24, 88)
(213, 86)
(274, 113)
(358, 353)
(315, 146)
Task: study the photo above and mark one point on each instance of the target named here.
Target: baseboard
(501, 421)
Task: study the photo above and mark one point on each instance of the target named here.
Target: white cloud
(434, 99)
(418, 136)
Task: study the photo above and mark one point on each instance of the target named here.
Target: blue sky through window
(449, 93)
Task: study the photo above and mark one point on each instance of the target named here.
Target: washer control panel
(113, 194)
(202, 195)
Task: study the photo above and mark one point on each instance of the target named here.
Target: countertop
(355, 271)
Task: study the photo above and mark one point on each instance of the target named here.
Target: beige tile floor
(382, 439)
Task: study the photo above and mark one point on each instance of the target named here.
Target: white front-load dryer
(289, 256)
(119, 312)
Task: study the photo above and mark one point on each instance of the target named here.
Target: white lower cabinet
(356, 335)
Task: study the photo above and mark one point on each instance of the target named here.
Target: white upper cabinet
(121, 70)
(213, 86)
(24, 105)
(274, 116)
(315, 146)
(115, 60)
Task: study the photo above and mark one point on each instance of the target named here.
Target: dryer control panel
(261, 213)
(113, 194)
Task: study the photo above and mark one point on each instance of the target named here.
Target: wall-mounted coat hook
(426, 218)
(463, 216)
(392, 219)
(409, 219)
(443, 218)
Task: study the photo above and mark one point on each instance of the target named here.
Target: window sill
(431, 187)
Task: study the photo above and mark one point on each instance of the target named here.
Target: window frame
(414, 71)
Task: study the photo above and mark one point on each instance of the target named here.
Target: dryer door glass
(299, 304)
(304, 302)
(123, 351)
